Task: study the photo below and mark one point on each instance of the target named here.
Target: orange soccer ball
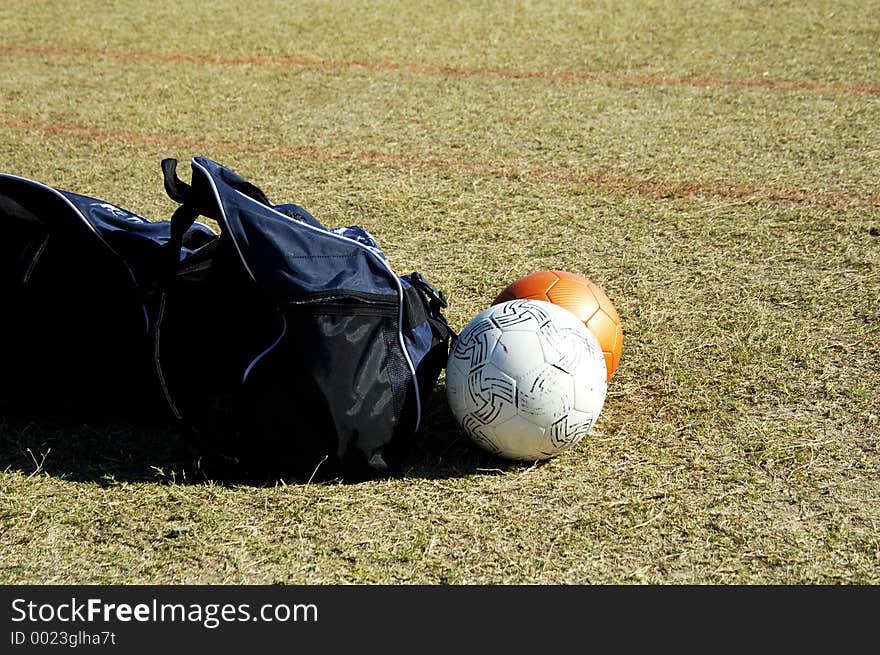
(582, 297)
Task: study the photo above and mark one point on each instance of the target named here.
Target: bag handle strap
(199, 200)
(433, 301)
(195, 200)
(436, 299)
(183, 217)
(177, 189)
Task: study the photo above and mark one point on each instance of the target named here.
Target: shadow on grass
(108, 451)
(443, 450)
(92, 450)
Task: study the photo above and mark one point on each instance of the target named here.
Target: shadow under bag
(78, 290)
(288, 348)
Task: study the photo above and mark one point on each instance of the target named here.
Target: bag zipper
(353, 304)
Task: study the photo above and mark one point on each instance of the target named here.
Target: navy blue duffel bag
(280, 347)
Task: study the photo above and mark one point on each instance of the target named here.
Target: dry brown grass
(739, 440)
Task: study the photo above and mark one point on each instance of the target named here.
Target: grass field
(713, 166)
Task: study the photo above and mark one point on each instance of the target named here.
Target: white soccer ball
(526, 379)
